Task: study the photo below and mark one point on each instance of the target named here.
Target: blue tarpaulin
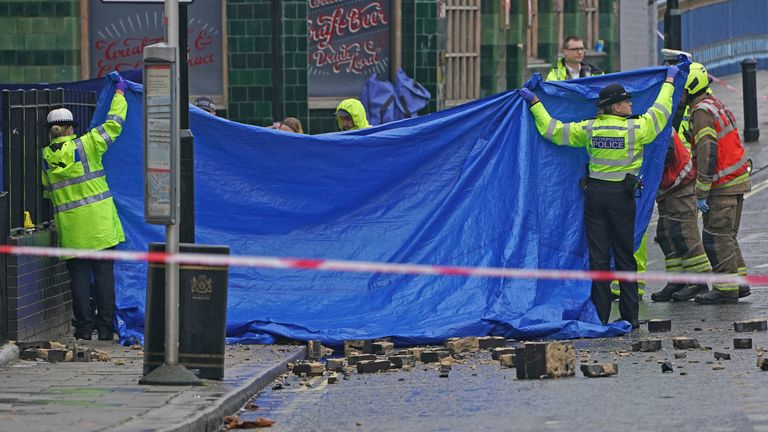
(475, 185)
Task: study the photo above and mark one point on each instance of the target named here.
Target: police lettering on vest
(610, 143)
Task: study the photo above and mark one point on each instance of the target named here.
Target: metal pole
(672, 26)
(172, 230)
(749, 85)
(186, 140)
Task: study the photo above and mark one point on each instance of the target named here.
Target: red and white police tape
(379, 267)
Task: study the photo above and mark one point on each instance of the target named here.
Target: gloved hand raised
(702, 205)
(672, 72)
(121, 85)
(528, 95)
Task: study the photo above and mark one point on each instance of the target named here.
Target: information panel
(348, 41)
(159, 148)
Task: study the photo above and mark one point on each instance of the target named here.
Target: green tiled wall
(39, 41)
(516, 44)
(502, 50)
(423, 41)
(295, 62)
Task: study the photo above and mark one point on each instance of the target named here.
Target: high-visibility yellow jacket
(74, 180)
(559, 72)
(356, 109)
(614, 143)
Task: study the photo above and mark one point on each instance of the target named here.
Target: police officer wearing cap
(86, 218)
(614, 142)
(206, 105)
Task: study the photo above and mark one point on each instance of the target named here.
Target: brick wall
(39, 41)
(39, 300)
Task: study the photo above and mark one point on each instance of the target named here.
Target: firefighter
(572, 64)
(722, 178)
(86, 218)
(614, 142)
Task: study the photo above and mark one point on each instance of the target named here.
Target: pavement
(106, 396)
(101, 396)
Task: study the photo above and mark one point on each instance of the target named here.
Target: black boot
(717, 297)
(744, 291)
(690, 291)
(665, 294)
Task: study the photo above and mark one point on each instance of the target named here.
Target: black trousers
(609, 217)
(80, 271)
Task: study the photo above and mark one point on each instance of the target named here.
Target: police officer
(722, 178)
(86, 218)
(572, 64)
(614, 142)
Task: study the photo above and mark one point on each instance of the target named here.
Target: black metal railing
(24, 136)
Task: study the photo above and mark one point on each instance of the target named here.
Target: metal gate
(24, 135)
(462, 51)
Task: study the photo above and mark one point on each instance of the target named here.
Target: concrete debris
(461, 345)
(443, 371)
(717, 366)
(308, 369)
(685, 343)
(659, 325)
(372, 366)
(334, 364)
(599, 370)
(400, 361)
(545, 360)
(433, 356)
(762, 362)
(383, 348)
(742, 343)
(647, 345)
(507, 360)
(496, 352)
(487, 342)
(750, 325)
(681, 355)
(667, 367)
(722, 356)
(315, 350)
(23, 346)
(357, 346)
(333, 379)
(355, 359)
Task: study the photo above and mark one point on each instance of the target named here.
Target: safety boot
(744, 291)
(665, 294)
(717, 297)
(690, 291)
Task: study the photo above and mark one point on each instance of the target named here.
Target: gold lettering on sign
(202, 287)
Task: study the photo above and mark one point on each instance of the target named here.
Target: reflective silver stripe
(631, 157)
(725, 131)
(83, 156)
(116, 118)
(631, 140)
(731, 169)
(680, 177)
(589, 130)
(616, 175)
(566, 133)
(81, 202)
(104, 135)
(661, 108)
(551, 130)
(77, 180)
(656, 126)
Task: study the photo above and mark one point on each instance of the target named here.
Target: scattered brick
(647, 345)
(382, 348)
(357, 358)
(399, 361)
(315, 350)
(29, 354)
(545, 360)
(334, 364)
(659, 325)
(333, 379)
(357, 346)
(444, 370)
(599, 370)
(460, 345)
(667, 367)
(681, 355)
(507, 360)
(81, 354)
(372, 366)
(496, 352)
(742, 343)
(100, 356)
(722, 356)
(718, 366)
(762, 363)
(308, 369)
(40, 344)
(750, 326)
(487, 342)
(433, 356)
(685, 343)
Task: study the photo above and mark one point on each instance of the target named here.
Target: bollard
(749, 81)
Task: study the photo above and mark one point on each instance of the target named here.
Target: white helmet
(672, 57)
(61, 116)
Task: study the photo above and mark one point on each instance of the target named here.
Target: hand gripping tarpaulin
(475, 185)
